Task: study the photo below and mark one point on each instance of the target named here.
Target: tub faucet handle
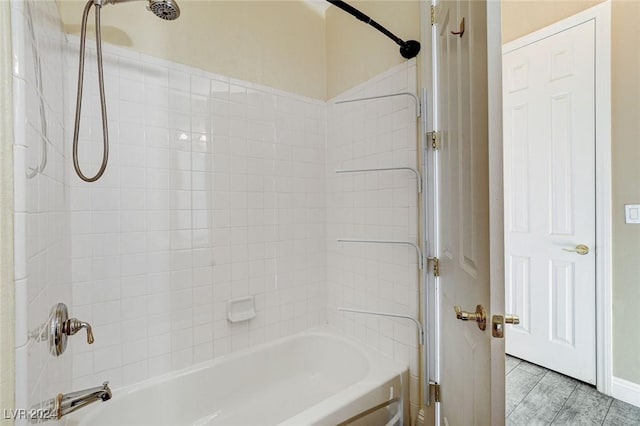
(60, 327)
(73, 325)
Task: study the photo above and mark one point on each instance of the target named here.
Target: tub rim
(381, 370)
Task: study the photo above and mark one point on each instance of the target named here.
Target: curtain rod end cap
(410, 49)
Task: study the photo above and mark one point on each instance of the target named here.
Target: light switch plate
(632, 213)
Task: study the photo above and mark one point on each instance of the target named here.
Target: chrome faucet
(70, 402)
(63, 404)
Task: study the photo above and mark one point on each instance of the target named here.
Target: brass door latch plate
(498, 322)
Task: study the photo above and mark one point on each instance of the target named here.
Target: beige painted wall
(626, 175)
(520, 18)
(356, 52)
(280, 44)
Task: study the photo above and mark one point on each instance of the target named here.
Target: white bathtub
(312, 378)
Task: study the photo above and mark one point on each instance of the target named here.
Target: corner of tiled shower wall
(375, 206)
(214, 190)
(42, 221)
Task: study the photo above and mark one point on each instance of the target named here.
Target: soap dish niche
(241, 309)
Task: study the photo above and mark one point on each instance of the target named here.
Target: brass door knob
(479, 316)
(512, 319)
(581, 249)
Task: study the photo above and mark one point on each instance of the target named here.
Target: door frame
(429, 120)
(601, 15)
(496, 204)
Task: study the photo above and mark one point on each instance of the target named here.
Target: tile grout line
(516, 366)
(564, 403)
(532, 388)
(608, 409)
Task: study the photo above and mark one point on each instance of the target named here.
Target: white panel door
(549, 152)
(462, 173)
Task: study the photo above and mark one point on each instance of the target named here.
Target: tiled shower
(216, 189)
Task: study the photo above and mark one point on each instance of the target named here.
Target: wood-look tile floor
(537, 396)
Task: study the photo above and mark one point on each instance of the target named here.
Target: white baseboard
(626, 391)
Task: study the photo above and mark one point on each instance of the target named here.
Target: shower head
(165, 9)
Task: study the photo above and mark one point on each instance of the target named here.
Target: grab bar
(389, 314)
(386, 169)
(369, 411)
(368, 98)
(408, 243)
(44, 136)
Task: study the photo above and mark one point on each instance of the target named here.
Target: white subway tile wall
(42, 190)
(215, 189)
(375, 206)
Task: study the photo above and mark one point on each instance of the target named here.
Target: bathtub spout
(66, 403)
(70, 402)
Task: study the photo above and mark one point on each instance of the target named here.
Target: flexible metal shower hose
(103, 105)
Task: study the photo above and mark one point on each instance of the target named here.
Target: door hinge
(436, 265)
(433, 15)
(435, 387)
(434, 138)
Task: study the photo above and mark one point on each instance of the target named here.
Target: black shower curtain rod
(408, 49)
